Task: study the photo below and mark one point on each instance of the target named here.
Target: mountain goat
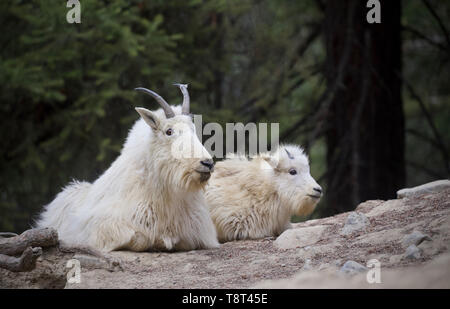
(256, 198)
(151, 197)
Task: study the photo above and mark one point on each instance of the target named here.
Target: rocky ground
(409, 236)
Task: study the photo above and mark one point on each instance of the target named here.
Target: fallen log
(26, 262)
(45, 237)
(113, 262)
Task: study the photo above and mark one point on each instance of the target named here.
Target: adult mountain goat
(151, 197)
(256, 198)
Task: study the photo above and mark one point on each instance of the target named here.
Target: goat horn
(165, 106)
(289, 154)
(186, 100)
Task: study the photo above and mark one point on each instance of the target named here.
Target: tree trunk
(365, 123)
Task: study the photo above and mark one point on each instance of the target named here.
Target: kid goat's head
(296, 186)
(177, 153)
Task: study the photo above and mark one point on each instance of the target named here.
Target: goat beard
(305, 207)
(194, 180)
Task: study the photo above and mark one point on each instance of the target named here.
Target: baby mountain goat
(256, 198)
(151, 197)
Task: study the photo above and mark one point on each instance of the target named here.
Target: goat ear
(270, 160)
(150, 118)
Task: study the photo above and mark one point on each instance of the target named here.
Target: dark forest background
(369, 102)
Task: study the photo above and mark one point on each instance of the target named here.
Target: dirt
(250, 263)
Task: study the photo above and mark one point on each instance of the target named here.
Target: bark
(365, 122)
(26, 262)
(114, 263)
(45, 237)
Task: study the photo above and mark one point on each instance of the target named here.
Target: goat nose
(318, 189)
(209, 163)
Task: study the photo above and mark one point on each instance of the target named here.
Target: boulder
(431, 187)
(299, 237)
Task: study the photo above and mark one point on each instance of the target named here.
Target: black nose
(209, 163)
(318, 189)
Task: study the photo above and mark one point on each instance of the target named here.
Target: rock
(431, 187)
(337, 263)
(188, 267)
(88, 261)
(395, 259)
(307, 265)
(325, 266)
(352, 268)
(415, 238)
(355, 222)
(431, 248)
(412, 253)
(299, 237)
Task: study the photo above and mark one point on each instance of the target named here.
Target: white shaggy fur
(250, 199)
(147, 199)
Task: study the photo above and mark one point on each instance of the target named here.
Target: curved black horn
(186, 100)
(165, 106)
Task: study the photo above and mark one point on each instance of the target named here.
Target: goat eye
(169, 132)
(292, 171)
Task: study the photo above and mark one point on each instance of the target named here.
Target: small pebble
(412, 253)
(352, 268)
(415, 238)
(307, 265)
(355, 222)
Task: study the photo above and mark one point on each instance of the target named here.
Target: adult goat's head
(176, 150)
